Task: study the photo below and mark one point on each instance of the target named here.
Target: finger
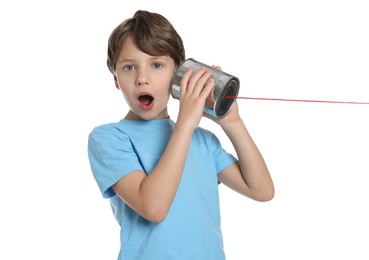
(202, 81)
(194, 80)
(184, 82)
(207, 89)
(217, 67)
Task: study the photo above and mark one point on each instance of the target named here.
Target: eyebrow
(125, 60)
(132, 60)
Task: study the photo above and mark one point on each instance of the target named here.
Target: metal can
(220, 100)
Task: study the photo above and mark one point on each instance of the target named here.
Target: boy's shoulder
(106, 127)
(134, 128)
(205, 136)
(203, 132)
(126, 128)
(106, 131)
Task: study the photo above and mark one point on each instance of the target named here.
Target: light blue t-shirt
(191, 229)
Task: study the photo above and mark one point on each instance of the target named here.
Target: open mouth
(145, 100)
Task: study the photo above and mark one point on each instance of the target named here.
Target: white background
(55, 87)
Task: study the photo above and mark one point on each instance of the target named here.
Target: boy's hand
(231, 117)
(194, 89)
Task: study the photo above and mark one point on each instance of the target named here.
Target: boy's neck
(132, 116)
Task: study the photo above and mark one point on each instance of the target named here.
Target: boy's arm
(250, 176)
(152, 195)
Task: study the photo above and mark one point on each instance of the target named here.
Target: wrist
(232, 125)
(184, 128)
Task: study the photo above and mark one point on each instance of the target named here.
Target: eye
(157, 65)
(128, 67)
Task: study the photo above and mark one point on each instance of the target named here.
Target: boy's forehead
(127, 46)
(129, 52)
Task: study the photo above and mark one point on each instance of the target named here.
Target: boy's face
(144, 81)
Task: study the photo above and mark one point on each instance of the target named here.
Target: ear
(116, 82)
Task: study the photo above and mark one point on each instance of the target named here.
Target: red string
(302, 100)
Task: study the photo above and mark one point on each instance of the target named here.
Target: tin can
(218, 103)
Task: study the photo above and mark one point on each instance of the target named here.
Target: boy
(162, 177)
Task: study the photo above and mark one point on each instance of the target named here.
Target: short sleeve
(111, 157)
(222, 158)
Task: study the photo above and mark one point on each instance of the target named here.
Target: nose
(142, 78)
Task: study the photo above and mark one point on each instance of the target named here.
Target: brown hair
(152, 33)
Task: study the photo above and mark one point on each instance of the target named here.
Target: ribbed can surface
(217, 104)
